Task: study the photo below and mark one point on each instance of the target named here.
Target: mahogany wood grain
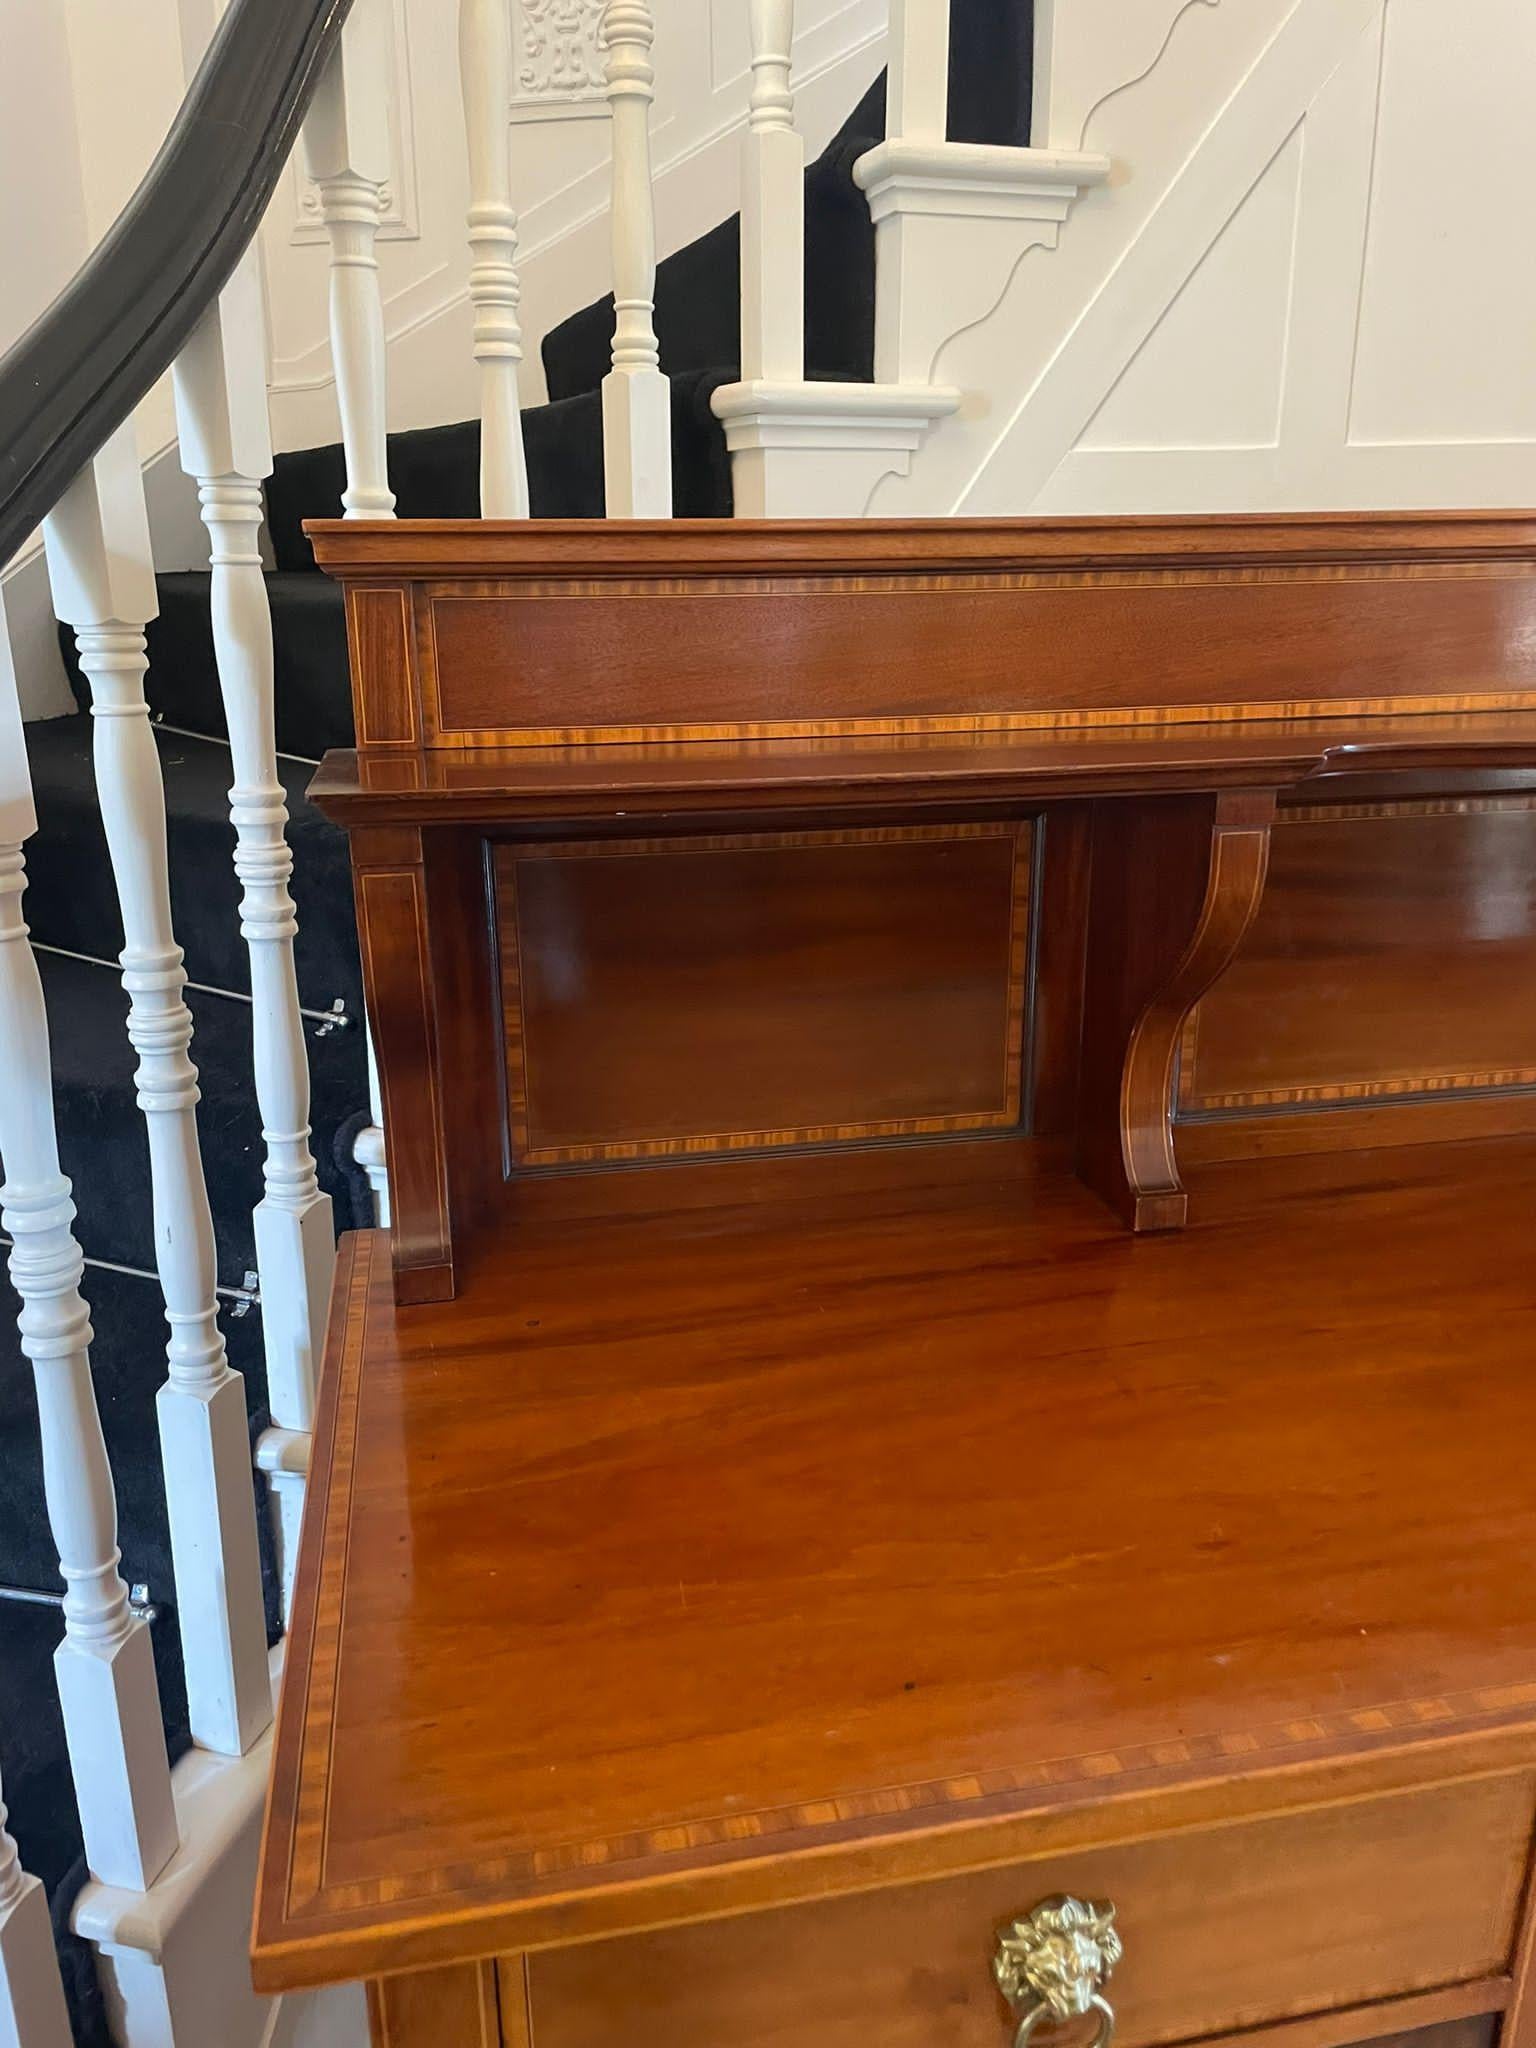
(1063, 863)
(680, 996)
(915, 628)
(393, 924)
(1345, 1127)
(1222, 1931)
(1175, 884)
(726, 784)
(456, 2007)
(799, 1525)
(388, 549)
(511, 663)
(379, 650)
(1394, 956)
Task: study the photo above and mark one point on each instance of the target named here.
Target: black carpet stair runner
(72, 909)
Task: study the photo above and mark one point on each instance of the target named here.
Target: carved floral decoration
(558, 53)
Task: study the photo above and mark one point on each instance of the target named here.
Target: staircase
(1058, 257)
(771, 440)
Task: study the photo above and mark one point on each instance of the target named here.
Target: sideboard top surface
(888, 1514)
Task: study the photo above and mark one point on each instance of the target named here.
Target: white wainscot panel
(1209, 374)
(1447, 336)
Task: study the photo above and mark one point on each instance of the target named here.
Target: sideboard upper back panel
(478, 634)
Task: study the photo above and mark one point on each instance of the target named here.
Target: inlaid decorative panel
(1392, 958)
(681, 996)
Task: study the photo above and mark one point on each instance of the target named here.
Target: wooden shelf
(658, 781)
(750, 1530)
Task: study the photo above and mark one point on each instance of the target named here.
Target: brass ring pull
(1052, 1965)
(1098, 2003)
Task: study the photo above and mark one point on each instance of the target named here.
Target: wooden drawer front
(1222, 1930)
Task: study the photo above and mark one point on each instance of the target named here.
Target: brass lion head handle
(1053, 1964)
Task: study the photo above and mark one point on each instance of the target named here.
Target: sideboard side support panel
(1175, 884)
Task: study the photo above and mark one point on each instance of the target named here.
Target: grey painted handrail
(119, 324)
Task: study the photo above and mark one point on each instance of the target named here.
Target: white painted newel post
(917, 86)
(485, 71)
(637, 412)
(106, 1672)
(32, 2012)
(103, 585)
(346, 149)
(772, 207)
(221, 412)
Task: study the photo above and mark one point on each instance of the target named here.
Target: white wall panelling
(637, 413)
(1296, 290)
(103, 586)
(105, 1669)
(346, 152)
(485, 69)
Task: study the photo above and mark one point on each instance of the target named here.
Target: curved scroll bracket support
(1175, 885)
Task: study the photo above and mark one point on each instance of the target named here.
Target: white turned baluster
(32, 2010)
(103, 585)
(106, 1671)
(772, 207)
(221, 412)
(637, 413)
(346, 149)
(485, 71)
(917, 85)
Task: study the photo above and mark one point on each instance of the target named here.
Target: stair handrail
(83, 365)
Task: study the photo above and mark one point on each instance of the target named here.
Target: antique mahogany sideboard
(937, 1451)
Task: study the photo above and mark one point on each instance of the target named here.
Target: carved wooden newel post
(105, 1668)
(637, 415)
(103, 585)
(485, 67)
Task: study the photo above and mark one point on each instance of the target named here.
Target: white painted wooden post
(105, 1668)
(221, 410)
(32, 2011)
(485, 71)
(103, 585)
(772, 207)
(917, 85)
(346, 148)
(637, 412)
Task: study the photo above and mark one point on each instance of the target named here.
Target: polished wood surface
(548, 634)
(1455, 2016)
(1394, 956)
(599, 548)
(633, 788)
(683, 996)
(1223, 1930)
(1175, 883)
(451, 2008)
(793, 1525)
(394, 936)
